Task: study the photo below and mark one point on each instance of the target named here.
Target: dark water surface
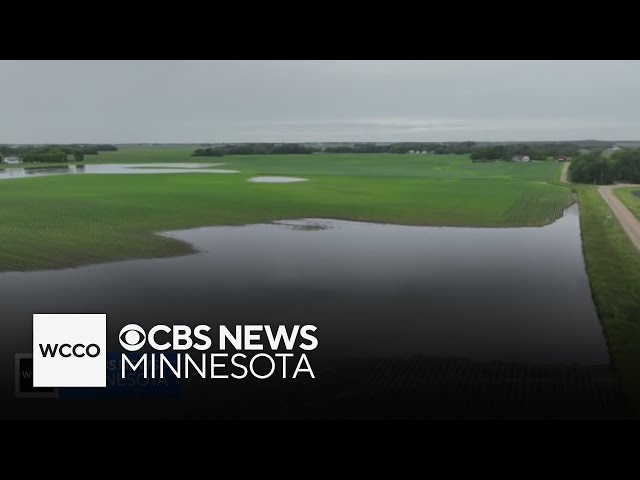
(377, 293)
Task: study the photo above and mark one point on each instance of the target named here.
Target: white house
(521, 158)
(424, 152)
(12, 159)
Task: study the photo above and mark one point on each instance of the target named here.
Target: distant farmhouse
(12, 159)
(521, 158)
(561, 158)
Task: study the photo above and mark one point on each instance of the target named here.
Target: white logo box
(69, 335)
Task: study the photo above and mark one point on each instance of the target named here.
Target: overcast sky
(295, 101)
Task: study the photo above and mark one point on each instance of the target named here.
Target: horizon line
(316, 141)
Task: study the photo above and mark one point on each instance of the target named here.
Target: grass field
(397, 165)
(626, 195)
(67, 220)
(613, 264)
(70, 220)
(403, 165)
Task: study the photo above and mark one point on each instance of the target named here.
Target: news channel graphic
(132, 385)
(69, 349)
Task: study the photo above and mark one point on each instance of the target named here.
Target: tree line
(254, 149)
(534, 152)
(506, 152)
(54, 153)
(594, 167)
(539, 151)
(458, 148)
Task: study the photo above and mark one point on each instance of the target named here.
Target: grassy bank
(613, 264)
(626, 195)
(69, 220)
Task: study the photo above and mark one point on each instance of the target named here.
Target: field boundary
(613, 268)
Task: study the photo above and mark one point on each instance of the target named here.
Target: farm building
(561, 158)
(521, 158)
(12, 159)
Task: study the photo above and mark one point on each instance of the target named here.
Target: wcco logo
(78, 350)
(69, 350)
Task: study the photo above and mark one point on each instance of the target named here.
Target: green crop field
(70, 220)
(376, 164)
(631, 198)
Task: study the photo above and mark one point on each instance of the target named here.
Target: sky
(315, 101)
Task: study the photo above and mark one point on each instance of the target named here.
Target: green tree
(592, 168)
(626, 165)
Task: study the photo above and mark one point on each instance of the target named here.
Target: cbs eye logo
(132, 337)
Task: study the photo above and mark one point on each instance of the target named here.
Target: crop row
(537, 209)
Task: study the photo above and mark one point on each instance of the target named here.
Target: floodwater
(129, 169)
(277, 179)
(373, 291)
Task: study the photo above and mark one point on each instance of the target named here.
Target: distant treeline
(537, 152)
(207, 152)
(49, 157)
(294, 148)
(54, 153)
(594, 167)
(458, 148)
(478, 153)
(254, 149)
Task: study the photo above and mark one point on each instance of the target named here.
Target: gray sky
(295, 101)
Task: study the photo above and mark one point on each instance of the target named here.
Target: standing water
(489, 300)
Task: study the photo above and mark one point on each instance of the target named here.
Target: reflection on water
(306, 224)
(143, 168)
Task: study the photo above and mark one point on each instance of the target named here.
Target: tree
(592, 168)
(49, 157)
(207, 152)
(626, 165)
(78, 156)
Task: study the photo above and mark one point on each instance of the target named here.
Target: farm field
(70, 220)
(66, 221)
(380, 164)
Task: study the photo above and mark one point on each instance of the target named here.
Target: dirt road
(627, 219)
(564, 175)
